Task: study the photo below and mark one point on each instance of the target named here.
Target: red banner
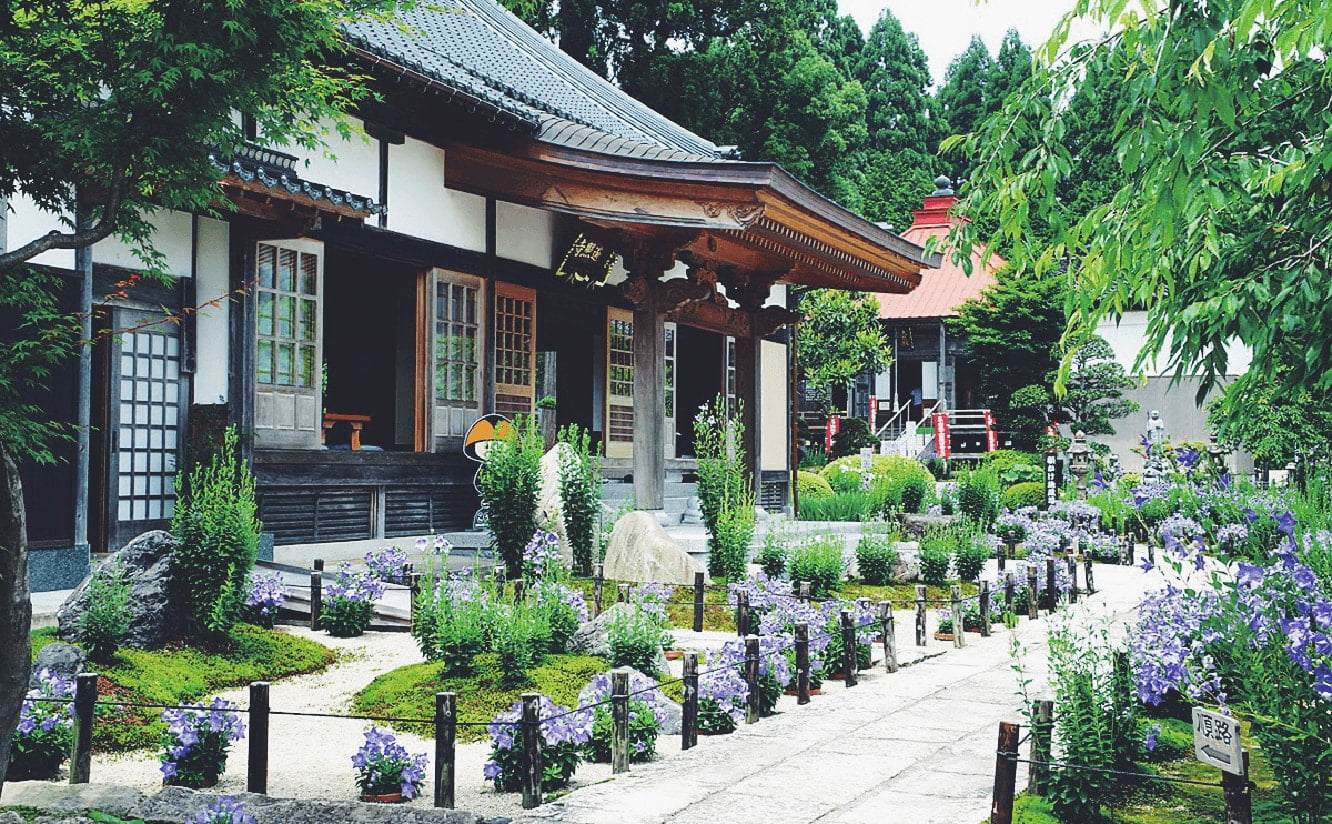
(834, 426)
(991, 433)
(874, 414)
(941, 440)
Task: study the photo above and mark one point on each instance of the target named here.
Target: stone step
(619, 491)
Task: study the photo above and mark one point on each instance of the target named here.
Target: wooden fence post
(1033, 593)
(752, 679)
(1087, 568)
(1042, 731)
(1151, 551)
(623, 596)
(1005, 774)
(1003, 552)
(316, 598)
(85, 701)
(598, 581)
(1072, 562)
(414, 594)
(698, 602)
(256, 780)
(1010, 594)
(803, 591)
(920, 615)
(318, 565)
(889, 630)
(984, 603)
(742, 613)
(619, 721)
(499, 582)
(802, 662)
(1050, 584)
(446, 737)
(848, 649)
(519, 591)
(1235, 788)
(689, 709)
(531, 757)
(959, 621)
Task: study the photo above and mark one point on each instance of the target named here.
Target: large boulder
(593, 637)
(65, 660)
(157, 614)
(550, 509)
(640, 550)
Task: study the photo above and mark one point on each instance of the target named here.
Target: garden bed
(179, 673)
(409, 692)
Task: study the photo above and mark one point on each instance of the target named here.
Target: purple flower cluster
(559, 727)
(42, 716)
(222, 810)
(550, 591)
(266, 594)
(384, 766)
(356, 587)
(438, 543)
(652, 598)
(723, 685)
(642, 689)
(197, 738)
(388, 565)
(541, 555)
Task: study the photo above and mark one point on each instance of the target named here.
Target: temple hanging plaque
(586, 262)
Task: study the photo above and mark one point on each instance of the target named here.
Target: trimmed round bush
(1025, 494)
(1004, 459)
(812, 485)
(844, 473)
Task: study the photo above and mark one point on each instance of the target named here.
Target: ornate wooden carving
(771, 318)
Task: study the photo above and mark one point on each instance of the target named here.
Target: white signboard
(1216, 740)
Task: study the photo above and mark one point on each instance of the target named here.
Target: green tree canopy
(840, 338)
(1219, 226)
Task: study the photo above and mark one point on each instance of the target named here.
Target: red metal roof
(944, 289)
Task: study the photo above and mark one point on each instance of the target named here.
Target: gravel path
(311, 757)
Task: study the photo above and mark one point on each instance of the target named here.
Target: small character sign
(479, 438)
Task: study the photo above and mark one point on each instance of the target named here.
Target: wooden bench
(356, 421)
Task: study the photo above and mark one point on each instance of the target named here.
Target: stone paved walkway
(915, 747)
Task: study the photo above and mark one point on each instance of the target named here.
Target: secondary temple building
(510, 228)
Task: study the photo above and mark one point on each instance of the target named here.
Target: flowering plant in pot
(196, 742)
(385, 771)
(563, 735)
(264, 598)
(42, 739)
(351, 602)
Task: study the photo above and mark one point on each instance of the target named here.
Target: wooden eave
(254, 198)
(749, 215)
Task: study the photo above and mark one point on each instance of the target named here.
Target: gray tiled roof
(479, 49)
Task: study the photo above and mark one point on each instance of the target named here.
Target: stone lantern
(1079, 463)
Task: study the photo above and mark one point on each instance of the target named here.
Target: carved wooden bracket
(670, 294)
(771, 318)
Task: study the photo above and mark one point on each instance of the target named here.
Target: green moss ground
(179, 673)
(409, 692)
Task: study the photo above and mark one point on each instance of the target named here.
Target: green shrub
(970, 556)
(517, 646)
(978, 497)
(460, 633)
(509, 482)
(106, 620)
(914, 493)
(853, 436)
(725, 487)
(891, 470)
(216, 526)
(812, 457)
(935, 555)
(811, 485)
(772, 557)
(1001, 460)
(643, 729)
(876, 559)
(636, 640)
(1024, 494)
(580, 493)
(840, 506)
(1173, 738)
(820, 563)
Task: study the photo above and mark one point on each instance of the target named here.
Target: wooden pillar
(649, 397)
(747, 393)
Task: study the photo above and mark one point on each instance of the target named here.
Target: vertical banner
(942, 443)
(834, 426)
(874, 414)
(991, 432)
(1051, 479)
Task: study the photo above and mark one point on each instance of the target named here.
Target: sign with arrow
(1216, 740)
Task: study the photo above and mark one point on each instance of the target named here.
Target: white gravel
(311, 757)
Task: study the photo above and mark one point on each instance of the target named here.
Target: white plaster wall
(420, 205)
(777, 297)
(525, 234)
(1128, 335)
(171, 237)
(27, 223)
(774, 446)
(351, 164)
(212, 323)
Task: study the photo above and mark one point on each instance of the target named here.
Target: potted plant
(385, 772)
(42, 739)
(944, 632)
(196, 742)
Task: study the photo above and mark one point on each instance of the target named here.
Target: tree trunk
(15, 605)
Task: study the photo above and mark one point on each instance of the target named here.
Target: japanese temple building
(510, 227)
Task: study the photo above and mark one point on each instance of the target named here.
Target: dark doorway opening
(698, 379)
